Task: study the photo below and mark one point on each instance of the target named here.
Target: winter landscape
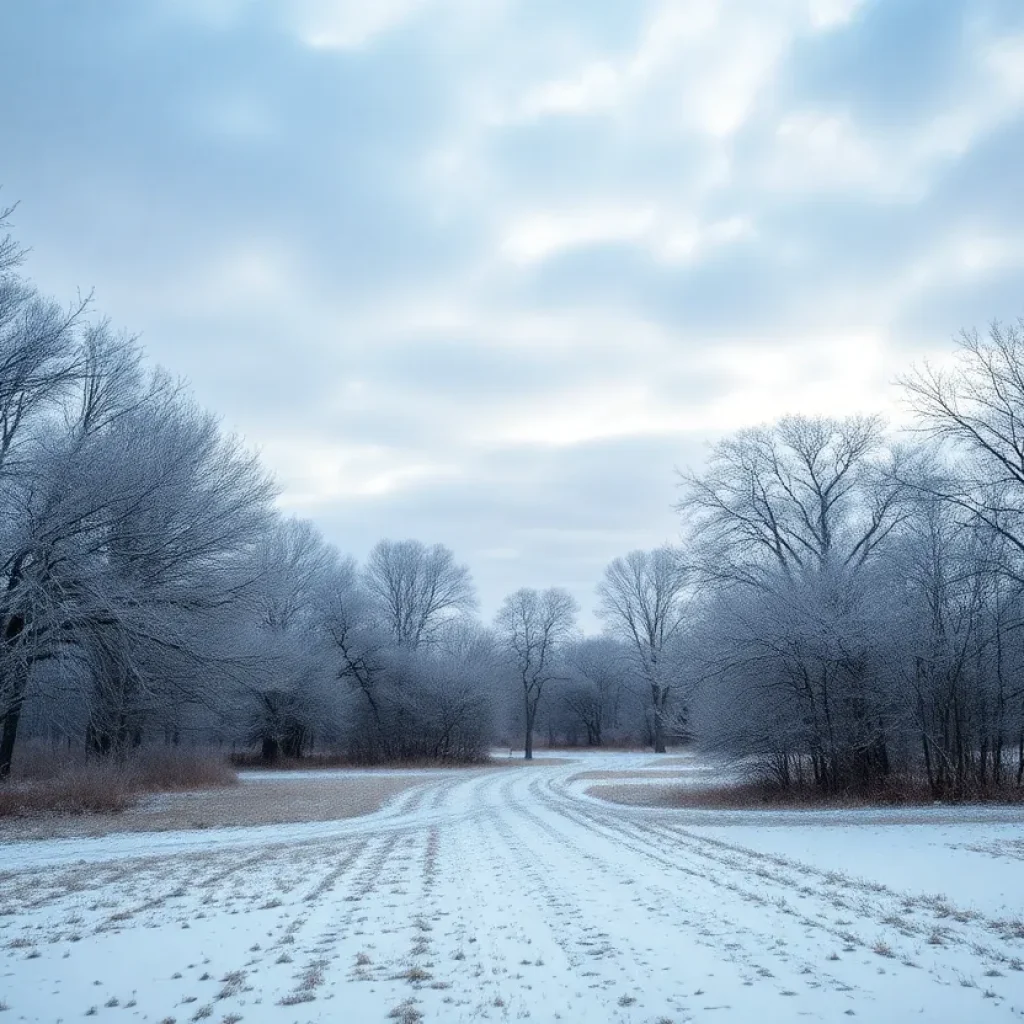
(511, 510)
(511, 894)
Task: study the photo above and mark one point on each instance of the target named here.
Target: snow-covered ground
(513, 895)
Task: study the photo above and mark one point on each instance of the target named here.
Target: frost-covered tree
(417, 588)
(642, 603)
(803, 495)
(787, 526)
(977, 408)
(597, 670)
(531, 627)
(293, 696)
(125, 518)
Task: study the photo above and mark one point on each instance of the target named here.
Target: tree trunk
(8, 735)
(659, 732)
(528, 744)
(659, 695)
(12, 630)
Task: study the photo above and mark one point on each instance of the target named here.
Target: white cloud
(349, 24)
(669, 236)
(1005, 61)
(830, 14)
(825, 149)
(966, 258)
(758, 379)
(698, 66)
(596, 87)
(678, 137)
(580, 414)
(315, 472)
(823, 375)
(537, 236)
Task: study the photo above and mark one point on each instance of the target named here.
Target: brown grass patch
(258, 802)
(47, 783)
(86, 789)
(323, 762)
(521, 762)
(171, 771)
(750, 795)
(605, 774)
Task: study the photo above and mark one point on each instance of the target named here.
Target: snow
(512, 895)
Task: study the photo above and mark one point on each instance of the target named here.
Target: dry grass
(82, 790)
(669, 775)
(406, 1013)
(313, 762)
(169, 771)
(258, 802)
(46, 783)
(748, 795)
(322, 762)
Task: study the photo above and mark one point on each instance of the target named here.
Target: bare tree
(642, 602)
(12, 255)
(598, 666)
(417, 588)
(39, 361)
(804, 494)
(293, 565)
(289, 698)
(348, 621)
(531, 626)
(787, 524)
(128, 537)
(979, 409)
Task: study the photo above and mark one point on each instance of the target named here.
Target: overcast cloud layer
(486, 271)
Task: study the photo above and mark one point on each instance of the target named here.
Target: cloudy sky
(487, 271)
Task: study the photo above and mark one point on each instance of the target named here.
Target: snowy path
(508, 896)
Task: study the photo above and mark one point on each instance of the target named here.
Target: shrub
(52, 781)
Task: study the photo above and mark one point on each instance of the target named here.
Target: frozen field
(512, 895)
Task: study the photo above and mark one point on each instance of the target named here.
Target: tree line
(151, 592)
(858, 597)
(843, 607)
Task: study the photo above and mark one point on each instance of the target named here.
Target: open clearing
(515, 895)
(264, 798)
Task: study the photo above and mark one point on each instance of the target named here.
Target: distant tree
(801, 495)
(348, 620)
(417, 588)
(292, 566)
(531, 626)
(597, 667)
(787, 525)
(642, 603)
(978, 407)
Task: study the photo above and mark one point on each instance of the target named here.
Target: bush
(77, 790)
(170, 769)
(44, 782)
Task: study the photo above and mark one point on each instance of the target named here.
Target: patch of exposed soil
(265, 802)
